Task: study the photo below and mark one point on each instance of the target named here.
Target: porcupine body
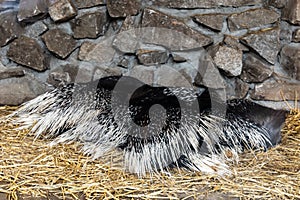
(155, 127)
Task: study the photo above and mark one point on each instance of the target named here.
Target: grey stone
(296, 35)
(101, 72)
(208, 74)
(62, 10)
(204, 3)
(90, 24)
(26, 51)
(152, 56)
(170, 77)
(277, 3)
(36, 29)
(8, 4)
(234, 43)
(66, 73)
(291, 12)
(290, 60)
(213, 20)
(32, 10)
(127, 61)
(11, 72)
(286, 32)
(276, 90)
(123, 8)
(178, 58)
(9, 27)
(255, 70)
(88, 3)
(266, 43)
(130, 22)
(154, 18)
(252, 18)
(228, 59)
(102, 52)
(59, 42)
(15, 91)
(142, 73)
(236, 89)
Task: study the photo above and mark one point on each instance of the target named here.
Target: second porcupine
(149, 124)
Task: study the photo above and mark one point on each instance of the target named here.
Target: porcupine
(95, 114)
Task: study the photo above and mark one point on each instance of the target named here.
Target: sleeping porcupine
(149, 125)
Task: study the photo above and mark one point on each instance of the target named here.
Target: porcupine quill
(151, 128)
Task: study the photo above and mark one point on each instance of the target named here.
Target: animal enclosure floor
(31, 169)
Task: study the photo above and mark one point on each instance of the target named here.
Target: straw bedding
(31, 169)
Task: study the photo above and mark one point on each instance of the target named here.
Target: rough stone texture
(228, 59)
(277, 3)
(101, 52)
(208, 74)
(252, 18)
(123, 8)
(204, 3)
(290, 60)
(66, 73)
(276, 90)
(178, 58)
(59, 42)
(36, 29)
(9, 27)
(101, 72)
(26, 51)
(213, 20)
(234, 43)
(152, 56)
(296, 35)
(266, 43)
(11, 72)
(62, 10)
(291, 12)
(15, 91)
(142, 73)
(88, 3)
(90, 24)
(169, 77)
(32, 10)
(255, 70)
(236, 89)
(154, 18)
(8, 4)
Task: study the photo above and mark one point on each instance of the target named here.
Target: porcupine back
(194, 139)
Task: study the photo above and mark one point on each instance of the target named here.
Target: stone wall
(247, 48)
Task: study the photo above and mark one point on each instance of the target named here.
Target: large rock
(292, 12)
(142, 73)
(266, 43)
(62, 10)
(36, 29)
(88, 3)
(208, 74)
(15, 91)
(59, 42)
(236, 89)
(90, 24)
(9, 27)
(123, 8)
(204, 3)
(252, 18)
(154, 18)
(32, 10)
(152, 55)
(276, 90)
(102, 52)
(212, 20)
(228, 59)
(66, 73)
(26, 51)
(11, 72)
(290, 60)
(255, 70)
